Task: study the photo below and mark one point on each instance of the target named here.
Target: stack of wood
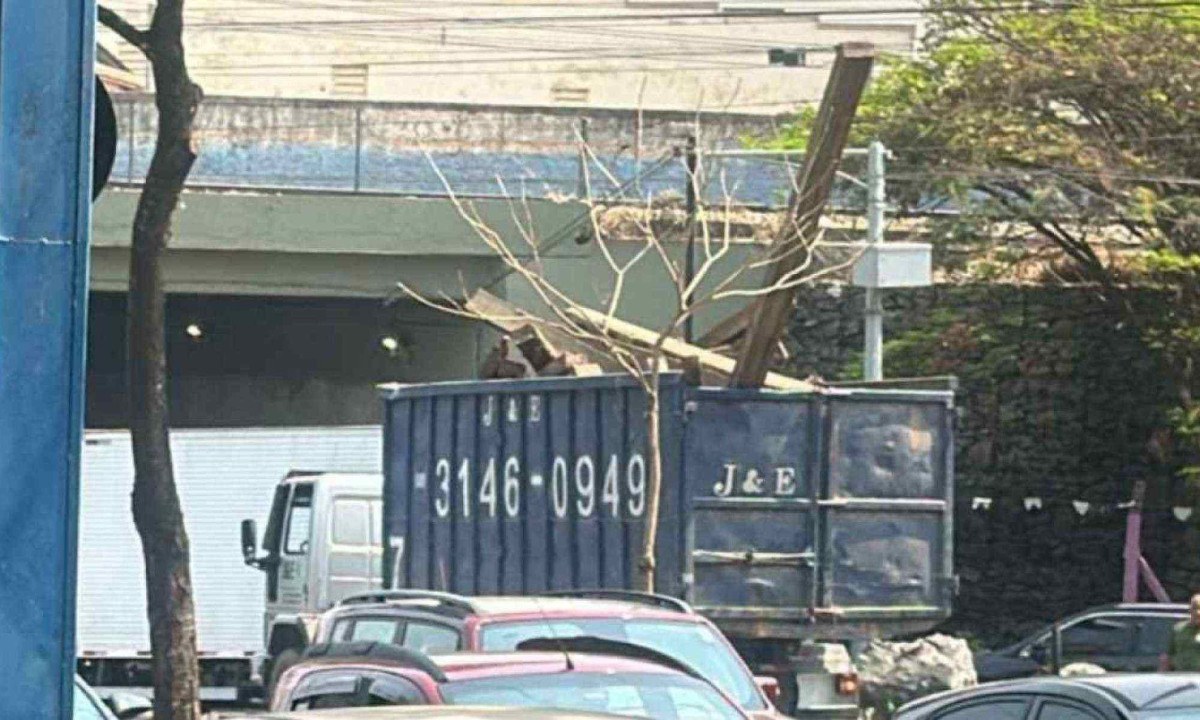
(527, 353)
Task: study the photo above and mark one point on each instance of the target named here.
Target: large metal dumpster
(784, 515)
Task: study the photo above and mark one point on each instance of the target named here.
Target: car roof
(440, 712)
(459, 666)
(1133, 692)
(468, 665)
(493, 607)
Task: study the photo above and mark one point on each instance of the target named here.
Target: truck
(223, 474)
(798, 522)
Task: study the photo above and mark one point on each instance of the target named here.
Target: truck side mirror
(250, 543)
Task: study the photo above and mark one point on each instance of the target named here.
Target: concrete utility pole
(691, 162)
(876, 205)
(47, 91)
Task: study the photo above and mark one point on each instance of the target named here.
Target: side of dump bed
(783, 514)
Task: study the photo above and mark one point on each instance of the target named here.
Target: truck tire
(282, 662)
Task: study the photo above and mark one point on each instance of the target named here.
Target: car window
(85, 707)
(352, 688)
(430, 638)
(372, 630)
(1103, 635)
(1055, 710)
(695, 644)
(658, 695)
(1154, 634)
(993, 709)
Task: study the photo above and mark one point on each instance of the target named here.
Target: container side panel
(441, 489)
(610, 468)
(633, 482)
(422, 470)
(888, 518)
(670, 559)
(885, 450)
(464, 558)
(585, 482)
(397, 475)
(564, 550)
(885, 559)
(536, 463)
(748, 471)
(487, 492)
(511, 495)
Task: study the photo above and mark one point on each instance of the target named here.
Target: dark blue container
(824, 514)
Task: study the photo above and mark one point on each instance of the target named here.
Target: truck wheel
(279, 666)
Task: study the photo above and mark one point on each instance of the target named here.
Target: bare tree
(643, 353)
(156, 510)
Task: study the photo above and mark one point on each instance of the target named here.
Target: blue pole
(46, 88)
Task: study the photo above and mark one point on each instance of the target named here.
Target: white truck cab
(322, 543)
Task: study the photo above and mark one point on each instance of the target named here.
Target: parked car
(637, 682)
(1158, 696)
(88, 705)
(1118, 638)
(433, 622)
(440, 712)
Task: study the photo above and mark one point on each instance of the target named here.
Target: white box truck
(224, 475)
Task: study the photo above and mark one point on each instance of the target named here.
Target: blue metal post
(46, 88)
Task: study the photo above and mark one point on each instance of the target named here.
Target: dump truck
(800, 522)
(797, 521)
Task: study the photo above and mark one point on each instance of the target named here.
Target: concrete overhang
(331, 244)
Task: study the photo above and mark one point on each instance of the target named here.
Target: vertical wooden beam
(814, 180)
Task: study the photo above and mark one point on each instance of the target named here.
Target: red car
(433, 622)
(361, 674)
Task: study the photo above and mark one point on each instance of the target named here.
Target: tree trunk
(156, 510)
(653, 483)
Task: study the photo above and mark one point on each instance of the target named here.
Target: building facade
(656, 54)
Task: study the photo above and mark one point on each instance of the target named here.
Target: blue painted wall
(46, 86)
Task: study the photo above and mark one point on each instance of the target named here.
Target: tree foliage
(1069, 132)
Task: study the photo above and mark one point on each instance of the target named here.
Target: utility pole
(876, 205)
(581, 188)
(691, 162)
(47, 81)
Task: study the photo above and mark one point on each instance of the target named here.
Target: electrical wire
(641, 17)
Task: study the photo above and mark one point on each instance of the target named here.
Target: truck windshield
(661, 696)
(696, 645)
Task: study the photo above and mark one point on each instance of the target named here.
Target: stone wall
(1059, 401)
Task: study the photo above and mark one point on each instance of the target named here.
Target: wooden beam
(814, 180)
(714, 366)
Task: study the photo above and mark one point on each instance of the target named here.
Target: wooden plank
(851, 71)
(712, 365)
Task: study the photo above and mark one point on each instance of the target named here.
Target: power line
(676, 16)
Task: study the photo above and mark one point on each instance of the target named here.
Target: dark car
(1118, 638)
(1158, 696)
(640, 683)
(434, 622)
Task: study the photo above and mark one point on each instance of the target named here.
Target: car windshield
(1184, 713)
(694, 644)
(662, 696)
